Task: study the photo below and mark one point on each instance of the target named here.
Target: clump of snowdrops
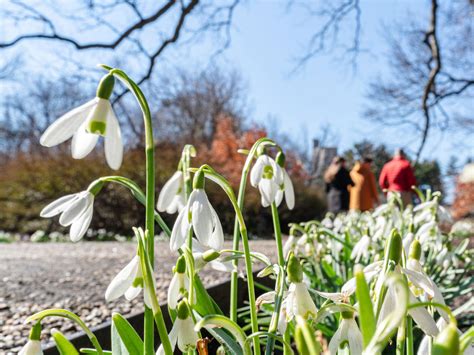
(377, 273)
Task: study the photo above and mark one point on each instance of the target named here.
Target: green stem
(279, 297)
(149, 196)
(410, 348)
(234, 278)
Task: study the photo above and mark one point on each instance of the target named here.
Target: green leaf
(206, 304)
(366, 309)
(64, 346)
(128, 336)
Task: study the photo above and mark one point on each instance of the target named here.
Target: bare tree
(191, 103)
(431, 73)
(98, 19)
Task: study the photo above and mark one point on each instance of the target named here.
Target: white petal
(420, 281)
(57, 206)
(113, 141)
(279, 197)
(187, 337)
(303, 303)
(123, 281)
(132, 293)
(32, 347)
(83, 142)
(354, 336)
(423, 318)
(80, 225)
(174, 294)
(278, 176)
(216, 241)
(335, 341)
(76, 208)
(201, 216)
(289, 191)
(333, 296)
(180, 229)
(169, 191)
(257, 170)
(65, 126)
(268, 191)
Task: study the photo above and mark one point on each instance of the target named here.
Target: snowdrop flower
(361, 249)
(348, 331)
(128, 282)
(298, 301)
(286, 188)
(289, 246)
(268, 176)
(182, 332)
(172, 198)
(199, 215)
(179, 284)
(86, 123)
(76, 211)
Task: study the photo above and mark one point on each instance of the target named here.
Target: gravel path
(37, 276)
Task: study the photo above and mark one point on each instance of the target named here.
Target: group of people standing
(357, 189)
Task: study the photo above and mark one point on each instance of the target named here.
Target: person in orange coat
(363, 195)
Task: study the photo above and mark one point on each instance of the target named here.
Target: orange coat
(364, 193)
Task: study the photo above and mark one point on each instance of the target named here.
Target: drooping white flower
(268, 176)
(32, 347)
(172, 198)
(85, 124)
(76, 211)
(182, 332)
(179, 285)
(201, 216)
(348, 331)
(299, 302)
(129, 283)
(361, 249)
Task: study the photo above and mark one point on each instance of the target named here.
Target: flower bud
(394, 247)
(210, 255)
(280, 159)
(35, 332)
(415, 250)
(294, 270)
(447, 342)
(182, 310)
(106, 87)
(181, 265)
(198, 181)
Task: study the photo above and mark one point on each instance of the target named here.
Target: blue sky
(266, 39)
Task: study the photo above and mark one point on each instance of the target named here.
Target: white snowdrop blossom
(349, 332)
(201, 216)
(179, 285)
(182, 333)
(129, 283)
(361, 249)
(32, 347)
(268, 176)
(172, 198)
(86, 123)
(298, 301)
(76, 211)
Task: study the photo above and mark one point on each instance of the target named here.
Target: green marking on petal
(97, 127)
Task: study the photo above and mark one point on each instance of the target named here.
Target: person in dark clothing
(337, 180)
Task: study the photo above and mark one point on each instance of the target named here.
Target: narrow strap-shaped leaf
(366, 309)
(93, 351)
(64, 346)
(128, 335)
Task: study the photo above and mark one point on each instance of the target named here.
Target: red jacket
(397, 175)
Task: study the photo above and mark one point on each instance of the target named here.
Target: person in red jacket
(398, 176)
